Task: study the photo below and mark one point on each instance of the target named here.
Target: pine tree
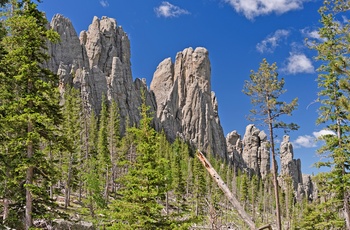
(244, 190)
(144, 185)
(199, 188)
(93, 183)
(103, 154)
(265, 88)
(333, 81)
(29, 102)
(178, 178)
(114, 142)
(71, 128)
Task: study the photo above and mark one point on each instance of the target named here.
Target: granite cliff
(98, 63)
(186, 106)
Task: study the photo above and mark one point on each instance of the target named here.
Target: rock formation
(302, 184)
(186, 106)
(289, 165)
(180, 97)
(252, 153)
(235, 149)
(98, 63)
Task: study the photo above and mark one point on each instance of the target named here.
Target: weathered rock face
(289, 165)
(98, 63)
(256, 154)
(252, 153)
(235, 149)
(186, 106)
(64, 224)
(302, 184)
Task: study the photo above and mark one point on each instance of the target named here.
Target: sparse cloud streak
(104, 3)
(299, 63)
(308, 141)
(253, 8)
(269, 44)
(323, 133)
(168, 10)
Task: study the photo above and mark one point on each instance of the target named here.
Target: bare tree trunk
(67, 184)
(347, 209)
(274, 173)
(29, 198)
(6, 209)
(246, 218)
(29, 181)
(6, 201)
(106, 192)
(166, 202)
(346, 196)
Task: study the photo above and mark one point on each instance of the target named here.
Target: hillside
(83, 145)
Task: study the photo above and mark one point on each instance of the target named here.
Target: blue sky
(238, 35)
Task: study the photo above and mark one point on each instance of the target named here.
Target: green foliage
(333, 80)
(144, 184)
(70, 156)
(264, 89)
(178, 179)
(29, 108)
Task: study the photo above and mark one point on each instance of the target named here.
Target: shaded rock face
(256, 153)
(252, 153)
(186, 106)
(64, 224)
(98, 63)
(302, 183)
(235, 149)
(289, 165)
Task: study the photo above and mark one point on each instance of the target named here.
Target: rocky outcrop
(291, 169)
(235, 149)
(186, 106)
(98, 63)
(256, 153)
(289, 165)
(252, 153)
(60, 224)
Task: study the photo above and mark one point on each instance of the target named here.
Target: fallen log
(246, 218)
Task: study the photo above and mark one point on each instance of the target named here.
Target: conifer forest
(64, 165)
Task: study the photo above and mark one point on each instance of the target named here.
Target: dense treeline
(68, 162)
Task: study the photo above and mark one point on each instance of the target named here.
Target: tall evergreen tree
(178, 179)
(103, 154)
(333, 81)
(71, 128)
(114, 142)
(144, 184)
(265, 88)
(29, 100)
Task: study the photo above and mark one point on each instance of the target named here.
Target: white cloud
(298, 63)
(310, 33)
(254, 8)
(306, 141)
(104, 3)
(322, 133)
(168, 10)
(270, 43)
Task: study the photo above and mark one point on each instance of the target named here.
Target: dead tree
(246, 218)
